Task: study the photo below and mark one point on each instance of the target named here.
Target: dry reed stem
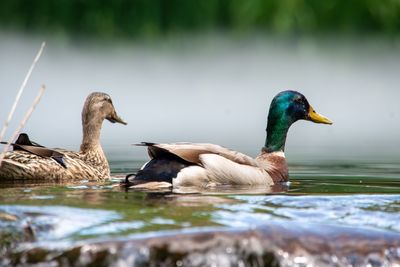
(23, 122)
(21, 89)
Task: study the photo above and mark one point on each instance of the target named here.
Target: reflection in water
(232, 189)
(63, 223)
(376, 211)
(109, 210)
(59, 222)
(58, 216)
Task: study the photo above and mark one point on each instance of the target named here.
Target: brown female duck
(31, 161)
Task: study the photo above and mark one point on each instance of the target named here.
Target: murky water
(362, 196)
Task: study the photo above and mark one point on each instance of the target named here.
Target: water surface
(360, 195)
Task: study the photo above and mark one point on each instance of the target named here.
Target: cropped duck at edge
(204, 165)
(29, 160)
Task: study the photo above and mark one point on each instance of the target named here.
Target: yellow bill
(317, 118)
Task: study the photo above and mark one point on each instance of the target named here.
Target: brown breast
(275, 164)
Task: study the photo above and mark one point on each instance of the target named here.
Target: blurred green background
(154, 18)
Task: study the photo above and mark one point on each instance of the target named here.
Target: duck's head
(98, 106)
(286, 108)
(294, 106)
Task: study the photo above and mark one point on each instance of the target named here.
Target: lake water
(360, 196)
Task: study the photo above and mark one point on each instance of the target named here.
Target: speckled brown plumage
(90, 163)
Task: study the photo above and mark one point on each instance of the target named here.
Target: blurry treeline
(146, 18)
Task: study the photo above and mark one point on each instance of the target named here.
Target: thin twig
(21, 89)
(23, 122)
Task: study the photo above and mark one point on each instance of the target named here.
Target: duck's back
(199, 165)
(22, 165)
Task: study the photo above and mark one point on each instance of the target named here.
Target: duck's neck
(273, 151)
(91, 150)
(277, 129)
(91, 134)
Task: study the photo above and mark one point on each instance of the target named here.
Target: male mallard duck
(203, 165)
(29, 160)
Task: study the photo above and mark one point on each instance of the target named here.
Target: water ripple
(376, 211)
(57, 222)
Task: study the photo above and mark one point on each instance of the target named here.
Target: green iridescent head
(286, 108)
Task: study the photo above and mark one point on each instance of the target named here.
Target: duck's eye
(297, 100)
(108, 99)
